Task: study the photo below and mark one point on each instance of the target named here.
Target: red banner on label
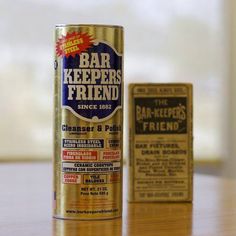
(79, 155)
(71, 179)
(73, 43)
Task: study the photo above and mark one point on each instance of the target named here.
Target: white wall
(165, 41)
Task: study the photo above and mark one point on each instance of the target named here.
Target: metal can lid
(88, 25)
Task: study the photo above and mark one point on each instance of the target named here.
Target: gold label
(161, 142)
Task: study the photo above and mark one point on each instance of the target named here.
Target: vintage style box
(161, 142)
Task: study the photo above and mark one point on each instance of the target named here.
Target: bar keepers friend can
(88, 121)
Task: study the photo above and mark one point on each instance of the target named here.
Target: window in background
(166, 41)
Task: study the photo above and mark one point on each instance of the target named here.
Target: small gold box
(161, 142)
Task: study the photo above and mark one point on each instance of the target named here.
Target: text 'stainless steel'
(88, 116)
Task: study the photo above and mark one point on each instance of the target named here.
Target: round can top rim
(84, 25)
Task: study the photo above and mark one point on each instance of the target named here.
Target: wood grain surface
(25, 206)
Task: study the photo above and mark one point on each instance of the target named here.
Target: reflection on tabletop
(138, 219)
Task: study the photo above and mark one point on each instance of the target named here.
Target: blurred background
(165, 41)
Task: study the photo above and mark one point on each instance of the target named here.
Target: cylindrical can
(88, 121)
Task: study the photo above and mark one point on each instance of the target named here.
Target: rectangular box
(161, 142)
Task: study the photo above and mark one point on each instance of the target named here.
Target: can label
(161, 142)
(89, 85)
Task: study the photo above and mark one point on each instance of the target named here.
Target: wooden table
(25, 207)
